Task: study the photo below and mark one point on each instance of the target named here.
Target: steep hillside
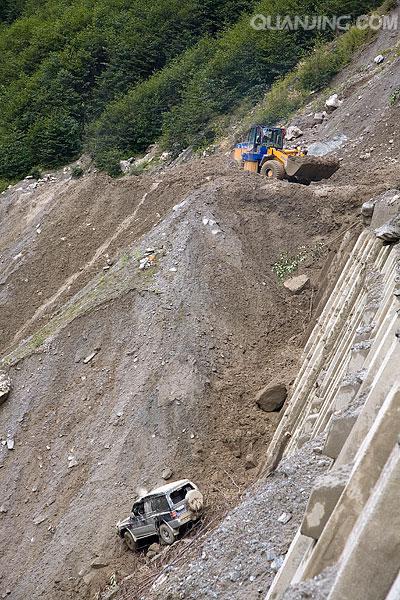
(176, 346)
(139, 317)
(116, 76)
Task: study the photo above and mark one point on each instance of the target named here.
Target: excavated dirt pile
(139, 319)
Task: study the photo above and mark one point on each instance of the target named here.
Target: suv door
(151, 517)
(138, 521)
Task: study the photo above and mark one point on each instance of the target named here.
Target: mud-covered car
(166, 512)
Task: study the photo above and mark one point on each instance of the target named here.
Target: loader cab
(269, 137)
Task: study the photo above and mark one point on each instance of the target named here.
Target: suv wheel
(166, 534)
(130, 541)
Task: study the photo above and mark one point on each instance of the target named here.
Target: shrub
(77, 171)
(36, 173)
(394, 97)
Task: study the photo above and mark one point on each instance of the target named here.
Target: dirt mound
(128, 371)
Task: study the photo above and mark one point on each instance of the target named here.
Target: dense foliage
(118, 74)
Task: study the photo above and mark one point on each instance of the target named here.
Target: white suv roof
(169, 487)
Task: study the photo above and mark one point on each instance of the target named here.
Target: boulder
(250, 462)
(319, 117)
(153, 550)
(272, 397)
(379, 59)
(125, 165)
(367, 211)
(390, 231)
(99, 563)
(293, 132)
(333, 103)
(167, 474)
(5, 386)
(296, 285)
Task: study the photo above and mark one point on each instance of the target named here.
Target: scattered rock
(10, 443)
(153, 550)
(250, 462)
(277, 563)
(167, 474)
(333, 103)
(39, 520)
(90, 357)
(272, 397)
(125, 165)
(319, 117)
(5, 386)
(3, 509)
(379, 59)
(111, 593)
(148, 260)
(367, 210)
(293, 132)
(284, 518)
(72, 462)
(296, 285)
(99, 563)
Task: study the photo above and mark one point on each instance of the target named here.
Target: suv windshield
(179, 495)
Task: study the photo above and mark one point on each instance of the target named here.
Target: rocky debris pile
(153, 155)
(272, 397)
(5, 386)
(148, 260)
(251, 558)
(319, 117)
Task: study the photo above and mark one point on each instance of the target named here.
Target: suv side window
(138, 509)
(160, 504)
(148, 509)
(179, 495)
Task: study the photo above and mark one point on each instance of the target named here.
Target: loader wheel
(273, 169)
(166, 534)
(129, 541)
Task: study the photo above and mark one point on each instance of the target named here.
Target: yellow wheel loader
(263, 153)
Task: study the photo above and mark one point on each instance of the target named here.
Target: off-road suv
(164, 512)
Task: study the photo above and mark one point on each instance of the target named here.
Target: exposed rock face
(272, 397)
(5, 386)
(295, 285)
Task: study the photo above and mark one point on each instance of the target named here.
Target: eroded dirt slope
(181, 349)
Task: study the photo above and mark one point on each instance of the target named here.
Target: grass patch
(287, 264)
(4, 183)
(125, 258)
(394, 97)
(37, 340)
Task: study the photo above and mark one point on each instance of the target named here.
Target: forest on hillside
(112, 76)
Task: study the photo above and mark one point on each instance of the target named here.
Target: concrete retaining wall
(348, 393)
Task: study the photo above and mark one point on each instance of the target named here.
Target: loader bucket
(311, 168)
